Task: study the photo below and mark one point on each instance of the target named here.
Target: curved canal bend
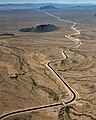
(74, 94)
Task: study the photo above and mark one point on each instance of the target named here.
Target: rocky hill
(40, 28)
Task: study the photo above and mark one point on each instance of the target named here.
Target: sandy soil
(25, 56)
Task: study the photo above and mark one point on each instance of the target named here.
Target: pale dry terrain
(25, 55)
(79, 69)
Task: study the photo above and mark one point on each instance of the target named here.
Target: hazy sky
(47, 1)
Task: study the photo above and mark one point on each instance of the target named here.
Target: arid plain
(25, 55)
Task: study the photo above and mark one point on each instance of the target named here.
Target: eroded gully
(74, 94)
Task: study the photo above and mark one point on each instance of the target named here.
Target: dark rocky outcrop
(45, 28)
(27, 29)
(7, 34)
(40, 28)
(95, 14)
(47, 7)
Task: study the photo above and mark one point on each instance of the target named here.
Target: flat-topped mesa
(40, 28)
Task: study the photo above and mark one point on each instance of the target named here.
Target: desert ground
(25, 55)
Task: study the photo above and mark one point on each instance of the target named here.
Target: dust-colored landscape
(25, 79)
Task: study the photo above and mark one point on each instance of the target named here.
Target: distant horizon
(47, 1)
